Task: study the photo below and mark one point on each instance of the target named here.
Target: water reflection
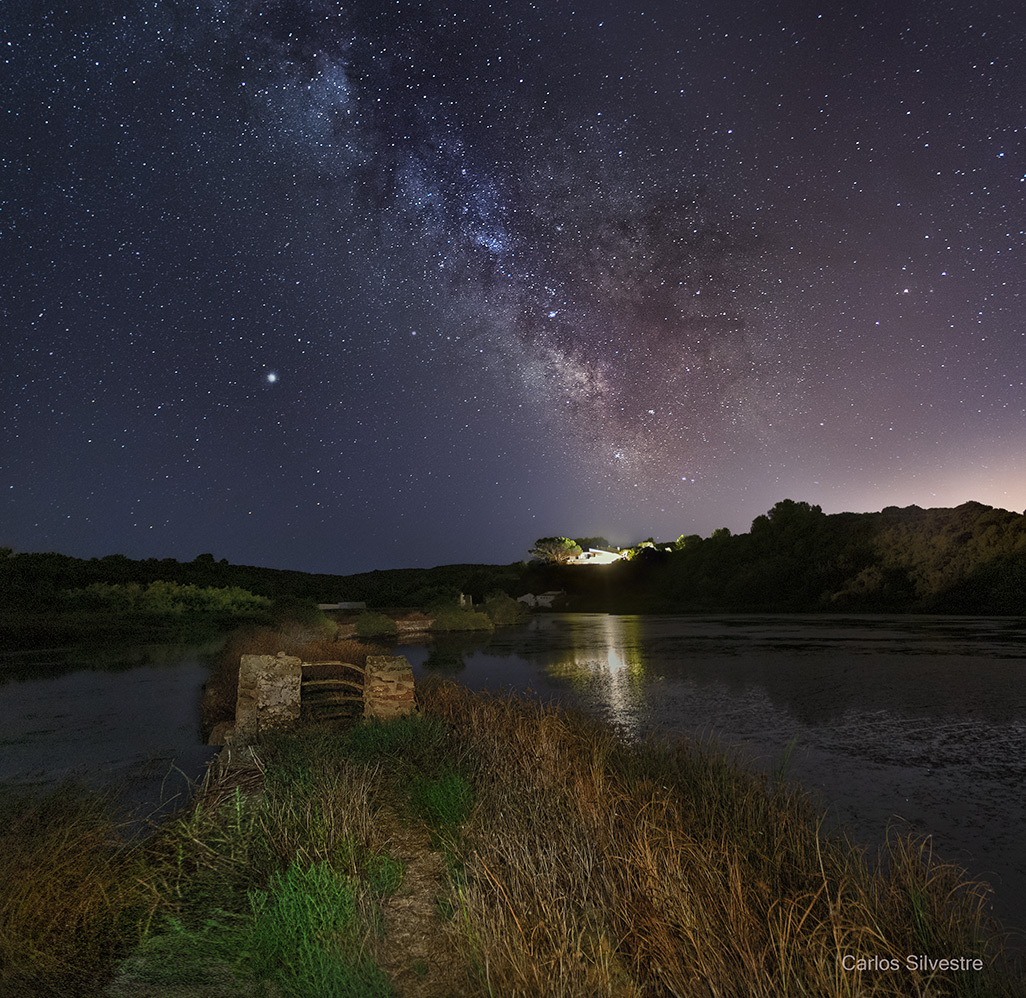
(604, 664)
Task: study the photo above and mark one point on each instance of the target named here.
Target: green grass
(306, 932)
(412, 740)
(443, 801)
(307, 935)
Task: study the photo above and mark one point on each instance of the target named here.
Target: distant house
(597, 556)
(542, 599)
(341, 606)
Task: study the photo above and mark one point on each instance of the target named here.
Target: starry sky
(336, 286)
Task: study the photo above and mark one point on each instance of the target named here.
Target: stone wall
(268, 696)
(388, 688)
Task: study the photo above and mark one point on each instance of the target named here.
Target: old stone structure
(268, 694)
(388, 688)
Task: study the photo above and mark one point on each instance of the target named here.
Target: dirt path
(416, 953)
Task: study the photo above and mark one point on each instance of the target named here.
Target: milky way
(339, 286)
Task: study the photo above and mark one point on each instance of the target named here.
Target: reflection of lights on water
(605, 663)
(618, 691)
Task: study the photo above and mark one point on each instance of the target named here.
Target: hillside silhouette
(795, 558)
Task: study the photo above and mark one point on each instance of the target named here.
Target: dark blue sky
(312, 285)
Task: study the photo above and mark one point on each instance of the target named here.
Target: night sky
(340, 286)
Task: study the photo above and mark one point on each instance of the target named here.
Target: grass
(74, 892)
(578, 865)
(443, 801)
(593, 867)
(307, 935)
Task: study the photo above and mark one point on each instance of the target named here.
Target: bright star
(272, 377)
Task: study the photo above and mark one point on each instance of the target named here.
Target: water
(137, 728)
(918, 722)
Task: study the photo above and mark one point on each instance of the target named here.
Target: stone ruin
(388, 687)
(270, 689)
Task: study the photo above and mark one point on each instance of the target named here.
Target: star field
(348, 286)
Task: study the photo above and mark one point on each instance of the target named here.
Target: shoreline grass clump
(446, 617)
(595, 867)
(73, 891)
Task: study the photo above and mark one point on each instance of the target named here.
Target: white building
(597, 556)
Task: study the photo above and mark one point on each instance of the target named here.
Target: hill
(970, 559)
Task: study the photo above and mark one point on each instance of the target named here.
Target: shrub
(375, 625)
(453, 618)
(504, 611)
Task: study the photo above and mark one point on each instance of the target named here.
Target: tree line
(795, 558)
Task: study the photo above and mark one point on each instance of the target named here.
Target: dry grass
(571, 864)
(72, 893)
(594, 868)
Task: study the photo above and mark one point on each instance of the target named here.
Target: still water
(919, 722)
(136, 725)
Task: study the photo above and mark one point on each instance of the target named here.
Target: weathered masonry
(272, 691)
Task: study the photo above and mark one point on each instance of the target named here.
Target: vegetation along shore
(484, 846)
(969, 559)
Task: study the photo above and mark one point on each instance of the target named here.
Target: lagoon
(123, 717)
(917, 722)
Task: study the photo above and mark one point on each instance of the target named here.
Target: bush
(453, 618)
(504, 611)
(166, 599)
(375, 625)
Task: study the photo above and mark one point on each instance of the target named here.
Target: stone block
(388, 690)
(268, 696)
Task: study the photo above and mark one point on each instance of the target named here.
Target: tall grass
(72, 892)
(307, 935)
(592, 867)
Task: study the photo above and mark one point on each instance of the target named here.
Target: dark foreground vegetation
(486, 846)
(970, 559)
